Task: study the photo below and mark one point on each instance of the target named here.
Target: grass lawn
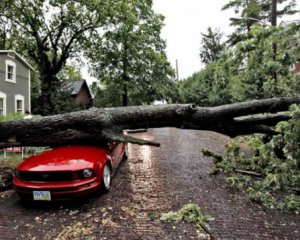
(11, 160)
(6, 169)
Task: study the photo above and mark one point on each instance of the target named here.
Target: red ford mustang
(67, 172)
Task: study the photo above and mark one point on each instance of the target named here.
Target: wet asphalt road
(152, 180)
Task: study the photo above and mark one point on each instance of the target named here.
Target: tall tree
(251, 12)
(129, 56)
(211, 45)
(52, 31)
(6, 34)
(256, 77)
(245, 72)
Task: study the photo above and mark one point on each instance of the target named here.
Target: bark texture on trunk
(94, 125)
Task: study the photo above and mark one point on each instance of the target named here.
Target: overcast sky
(184, 21)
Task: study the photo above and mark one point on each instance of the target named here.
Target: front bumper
(58, 190)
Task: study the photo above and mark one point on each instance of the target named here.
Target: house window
(19, 104)
(10, 72)
(1, 107)
(2, 104)
(10, 75)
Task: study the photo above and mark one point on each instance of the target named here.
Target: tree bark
(49, 85)
(95, 125)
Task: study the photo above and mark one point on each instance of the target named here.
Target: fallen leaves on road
(75, 231)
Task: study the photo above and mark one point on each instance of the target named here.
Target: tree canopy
(253, 12)
(50, 32)
(246, 70)
(129, 56)
(211, 45)
(122, 39)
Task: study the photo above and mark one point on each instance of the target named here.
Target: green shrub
(276, 164)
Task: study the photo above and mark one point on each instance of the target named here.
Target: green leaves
(275, 165)
(50, 33)
(190, 213)
(247, 70)
(253, 13)
(211, 46)
(210, 86)
(130, 56)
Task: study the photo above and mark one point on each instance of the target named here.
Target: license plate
(42, 195)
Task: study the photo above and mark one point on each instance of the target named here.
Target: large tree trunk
(94, 125)
(49, 85)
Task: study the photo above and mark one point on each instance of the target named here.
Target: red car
(68, 171)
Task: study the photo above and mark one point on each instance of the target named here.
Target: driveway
(151, 181)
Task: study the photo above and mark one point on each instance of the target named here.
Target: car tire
(106, 178)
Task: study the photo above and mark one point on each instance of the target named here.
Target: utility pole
(274, 13)
(274, 46)
(177, 71)
(274, 23)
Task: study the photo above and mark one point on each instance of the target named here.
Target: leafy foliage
(211, 86)
(256, 74)
(211, 46)
(63, 102)
(246, 71)
(69, 73)
(276, 164)
(109, 96)
(190, 213)
(50, 32)
(249, 68)
(254, 12)
(130, 55)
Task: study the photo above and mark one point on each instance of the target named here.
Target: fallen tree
(93, 125)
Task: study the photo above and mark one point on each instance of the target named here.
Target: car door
(115, 152)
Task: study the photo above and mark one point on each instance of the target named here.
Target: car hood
(67, 158)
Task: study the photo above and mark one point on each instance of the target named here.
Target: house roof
(18, 56)
(75, 87)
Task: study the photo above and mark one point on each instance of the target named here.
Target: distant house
(80, 93)
(297, 67)
(14, 83)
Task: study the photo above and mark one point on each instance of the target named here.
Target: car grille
(47, 176)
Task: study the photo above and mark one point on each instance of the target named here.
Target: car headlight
(87, 173)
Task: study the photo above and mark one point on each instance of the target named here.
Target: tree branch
(270, 105)
(94, 125)
(112, 136)
(266, 119)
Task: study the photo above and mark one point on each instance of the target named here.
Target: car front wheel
(106, 178)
